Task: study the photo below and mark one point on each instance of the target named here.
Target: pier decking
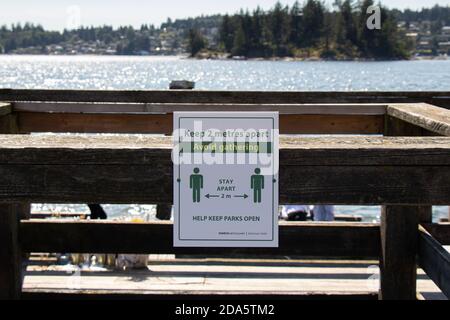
(167, 277)
(406, 171)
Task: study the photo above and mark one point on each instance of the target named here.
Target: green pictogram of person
(257, 184)
(196, 184)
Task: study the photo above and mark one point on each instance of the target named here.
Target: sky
(60, 14)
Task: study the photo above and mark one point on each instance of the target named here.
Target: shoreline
(226, 58)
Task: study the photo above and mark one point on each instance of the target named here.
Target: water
(104, 72)
(140, 73)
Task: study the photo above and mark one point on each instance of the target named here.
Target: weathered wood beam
(10, 252)
(435, 261)
(423, 115)
(197, 96)
(439, 231)
(346, 185)
(294, 151)
(145, 108)
(399, 229)
(306, 239)
(398, 269)
(158, 295)
(8, 122)
(163, 123)
(138, 169)
(394, 127)
(5, 108)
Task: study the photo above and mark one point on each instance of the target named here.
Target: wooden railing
(404, 171)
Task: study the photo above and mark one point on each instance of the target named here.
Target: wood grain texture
(5, 108)
(64, 295)
(439, 231)
(306, 239)
(95, 123)
(8, 121)
(8, 124)
(395, 127)
(163, 123)
(435, 260)
(423, 115)
(146, 108)
(139, 170)
(198, 96)
(145, 150)
(399, 237)
(279, 278)
(10, 252)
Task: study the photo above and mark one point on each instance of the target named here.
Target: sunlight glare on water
(140, 73)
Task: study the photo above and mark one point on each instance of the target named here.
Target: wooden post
(164, 211)
(10, 252)
(399, 240)
(399, 128)
(399, 233)
(425, 214)
(8, 120)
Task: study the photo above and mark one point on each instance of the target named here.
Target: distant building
(446, 30)
(444, 47)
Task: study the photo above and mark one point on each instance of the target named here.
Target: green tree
(240, 47)
(347, 30)
(226, 33)
(296, 28)
(196, 42)
(313, 22)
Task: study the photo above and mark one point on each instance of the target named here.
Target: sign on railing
(226, 179)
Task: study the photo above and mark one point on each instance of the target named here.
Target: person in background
(295, 212)
(323, 213)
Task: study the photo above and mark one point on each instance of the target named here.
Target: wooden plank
(429, 117)
(197, 96)
(281, 277)
(278, 277)
(36, 294)
(435, 260)
(120, 184)
(331, 124)
(306, 239)
(10, 252)
(425, 214)
(95, 123)
(147, 150)
(395, 127)
(143, 108)
(8, 124)
(8, 121)
(439, 231)
(5, 108)
(340, 171)
(398, 270)
(47, 215)
(163, 123)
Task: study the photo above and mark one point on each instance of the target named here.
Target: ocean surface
(140, 73)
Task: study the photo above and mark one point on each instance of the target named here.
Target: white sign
(225, 179)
